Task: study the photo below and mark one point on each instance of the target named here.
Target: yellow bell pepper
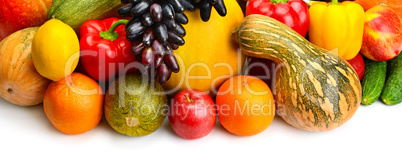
(337, 27)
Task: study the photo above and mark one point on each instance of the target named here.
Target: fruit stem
(188, 98)
(111, 34)
(279, 1)
(234, 34)
(382, 3)
(334, 2)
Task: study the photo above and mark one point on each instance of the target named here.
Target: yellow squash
(209, 56)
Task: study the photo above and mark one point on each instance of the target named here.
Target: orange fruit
(245, 105)
(74, 104)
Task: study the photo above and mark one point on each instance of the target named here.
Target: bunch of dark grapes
(155, 29)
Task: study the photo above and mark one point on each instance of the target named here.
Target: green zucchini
(76, 12)
(392, 92)
(373, 80)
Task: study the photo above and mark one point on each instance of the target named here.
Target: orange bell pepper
(337, 27)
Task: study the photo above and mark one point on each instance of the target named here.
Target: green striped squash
(135, 106)
(315, 89)
(76, 12)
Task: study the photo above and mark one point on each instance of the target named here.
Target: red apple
(396, 5)
(262, 68)
(20, 14)
(192, 114)
(382, 36)
(358, 64)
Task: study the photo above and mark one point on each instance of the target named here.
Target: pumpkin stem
(188, 99)
(334, 2)
(111, 34)
(234, 33)
(278, 1)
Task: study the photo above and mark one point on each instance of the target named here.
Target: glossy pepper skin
(337, 27)
(105, 52)
(293, 13)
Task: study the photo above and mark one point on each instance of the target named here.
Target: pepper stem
(188, 98)
(278, 1)
(111, 34)
(334, 2)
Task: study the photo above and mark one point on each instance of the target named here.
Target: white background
(373, 134)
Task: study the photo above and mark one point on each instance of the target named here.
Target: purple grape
(147, 56)
(171, 62)
(158, 60)
(147, 19)
(161, 32)
(156, 12)
(205, 10)
(141, 8)
(178, 7)
(138, 47)
(156, 28)
(174, 46)
(163, 73)
(181, 18)
(175, 39)
(168, 11)
(148, 37)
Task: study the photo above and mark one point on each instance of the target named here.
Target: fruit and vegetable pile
(135, 62)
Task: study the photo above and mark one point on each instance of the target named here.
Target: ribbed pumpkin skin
(315, 90)
(132, 98)
(20, 83)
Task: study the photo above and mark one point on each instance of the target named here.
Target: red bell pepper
(293, 13)
(105, 51)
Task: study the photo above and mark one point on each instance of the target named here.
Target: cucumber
(373, 80)
(392, 92)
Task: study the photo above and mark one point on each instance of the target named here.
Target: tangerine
(245, 105)
(74, 104)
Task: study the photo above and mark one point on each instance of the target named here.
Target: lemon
(55, 50)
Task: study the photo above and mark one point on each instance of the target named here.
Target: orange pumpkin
(396, 5)
(20, 83)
